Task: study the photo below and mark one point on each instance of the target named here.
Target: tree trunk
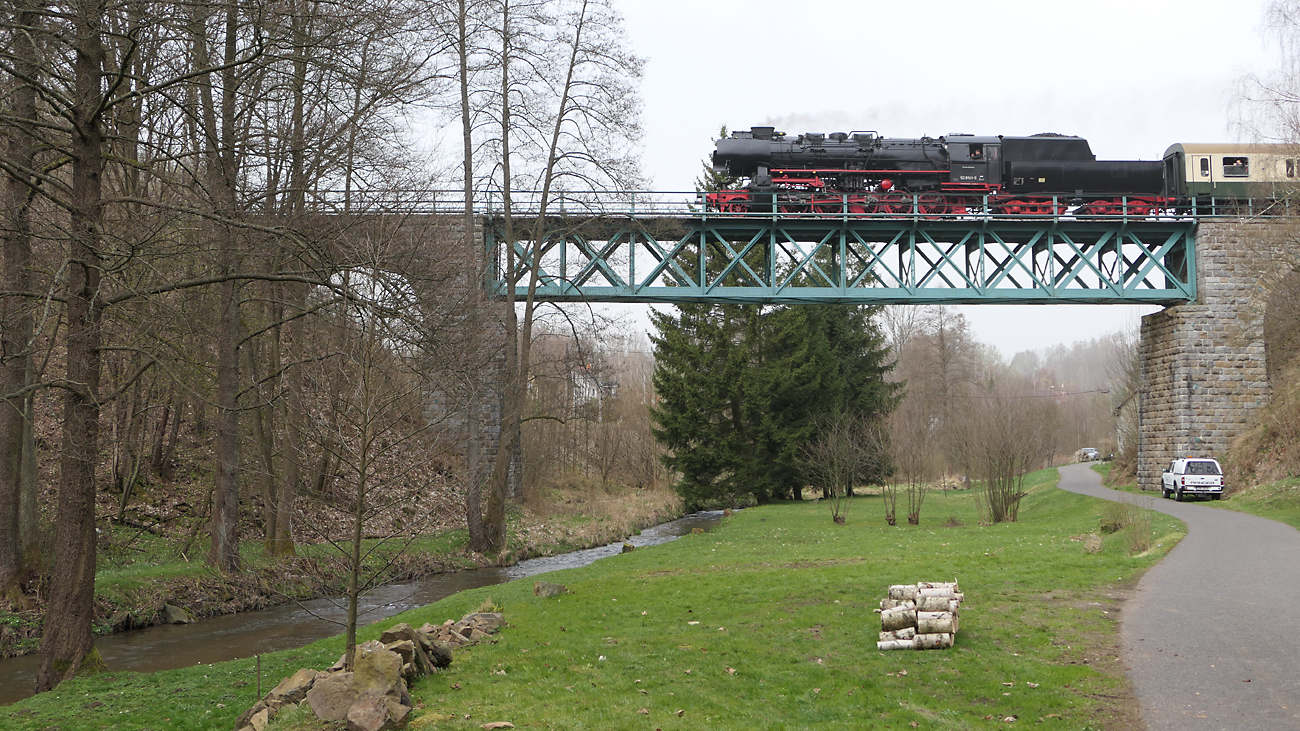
(66, 639)
(473, 283)
(15, 315)
(224, 553)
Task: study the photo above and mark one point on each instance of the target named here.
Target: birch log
(934, 623)
(934, 604)
(903, 591)
(933, 641)
(893, 619)
(905, 633)
(895, 603)
(895, 645)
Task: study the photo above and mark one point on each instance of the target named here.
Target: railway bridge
(1203, 361)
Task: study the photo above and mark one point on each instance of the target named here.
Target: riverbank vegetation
(140, 572)
(765, 622)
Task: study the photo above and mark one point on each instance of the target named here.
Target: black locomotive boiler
(862, 172)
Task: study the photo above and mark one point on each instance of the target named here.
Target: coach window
(1236, 167)
(1205, 167)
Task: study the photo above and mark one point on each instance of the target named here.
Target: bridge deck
(864, 259)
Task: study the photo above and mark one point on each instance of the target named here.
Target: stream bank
(232, 636)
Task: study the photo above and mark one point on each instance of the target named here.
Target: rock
(339, 665)
(245, 720)
(397, 633)
(477, 635)
(457, 638)
(375, 669)
(440, 655)
(628, 548)
(1092, 544)
(404, 648)
(294, 688)
(485, 621)
(331, 697)
(261, 719)
(546, 589)
(173, 614)
(377, 713)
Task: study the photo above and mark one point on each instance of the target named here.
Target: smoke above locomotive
(870, 173)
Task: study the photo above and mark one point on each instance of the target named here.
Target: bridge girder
(787, 259)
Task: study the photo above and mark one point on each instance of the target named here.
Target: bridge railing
(797, 205)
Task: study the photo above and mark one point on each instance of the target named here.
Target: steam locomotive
(1046, 174)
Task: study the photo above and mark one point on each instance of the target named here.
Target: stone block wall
(1203, 363)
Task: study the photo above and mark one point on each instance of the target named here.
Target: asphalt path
(1211, 637)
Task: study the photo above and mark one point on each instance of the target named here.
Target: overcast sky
(1132, 77)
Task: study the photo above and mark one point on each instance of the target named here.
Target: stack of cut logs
(921, 616)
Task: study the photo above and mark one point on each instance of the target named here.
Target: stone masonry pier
(1203, 363)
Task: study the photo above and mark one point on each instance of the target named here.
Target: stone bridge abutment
(1204, 375)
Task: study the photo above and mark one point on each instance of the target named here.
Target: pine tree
(742, 390)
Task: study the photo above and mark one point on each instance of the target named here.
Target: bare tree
(835, 461)
(914, 447)
(1004, 437)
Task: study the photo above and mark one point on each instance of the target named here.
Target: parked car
(1087, 454)
(1185, 478)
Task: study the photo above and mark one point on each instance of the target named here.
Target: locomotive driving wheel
(931, 205)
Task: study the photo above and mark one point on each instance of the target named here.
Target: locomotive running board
(786, 259)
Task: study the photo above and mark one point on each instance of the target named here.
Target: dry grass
(578, 512)
(1133, 518)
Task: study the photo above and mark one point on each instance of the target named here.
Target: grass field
(764, 623)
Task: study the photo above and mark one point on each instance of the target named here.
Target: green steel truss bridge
(660, 250)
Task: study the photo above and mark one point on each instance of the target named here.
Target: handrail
(794, 205)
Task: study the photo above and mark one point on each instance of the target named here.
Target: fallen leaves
(644, 711)
(731, 671)
(497, 724)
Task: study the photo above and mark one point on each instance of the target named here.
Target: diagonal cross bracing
(792, 259)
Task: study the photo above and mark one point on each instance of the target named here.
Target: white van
(1185, 478)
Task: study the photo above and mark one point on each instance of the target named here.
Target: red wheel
(931, 205)
(892, 205)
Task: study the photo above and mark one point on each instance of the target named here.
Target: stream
(232, 636)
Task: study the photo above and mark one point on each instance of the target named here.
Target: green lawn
(1278, 501)
(764, 623)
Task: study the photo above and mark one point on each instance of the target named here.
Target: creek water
(232, 636)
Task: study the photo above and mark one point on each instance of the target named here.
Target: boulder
(397, 633)
(294, 688)
(173, 614)
(331, 697)
(628, 548)
(377, 713)
(376, 670)
(261, 719)
(405, 649)
(440, 654)
(546, 589)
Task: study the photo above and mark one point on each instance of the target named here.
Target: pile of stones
(373, 696)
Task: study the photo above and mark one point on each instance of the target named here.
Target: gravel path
(1211, 637)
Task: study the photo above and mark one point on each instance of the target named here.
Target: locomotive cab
(974, 160)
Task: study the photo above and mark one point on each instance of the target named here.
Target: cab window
(1236, 167)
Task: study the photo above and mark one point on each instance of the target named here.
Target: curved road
(1211, 637)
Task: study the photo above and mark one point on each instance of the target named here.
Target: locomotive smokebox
(741, 157)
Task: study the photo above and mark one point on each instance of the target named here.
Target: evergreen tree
(742, 390)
